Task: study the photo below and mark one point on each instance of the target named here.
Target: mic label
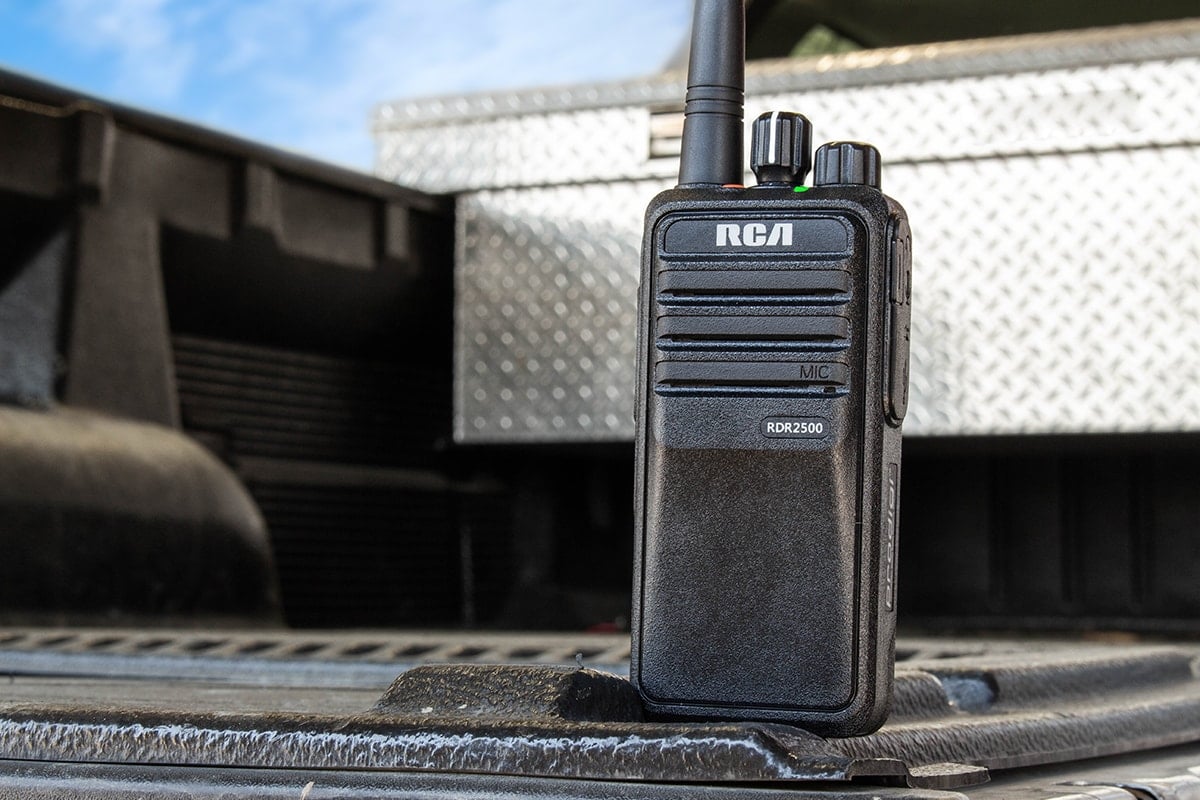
(754, 234)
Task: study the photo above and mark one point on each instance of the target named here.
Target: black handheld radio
(772, 382)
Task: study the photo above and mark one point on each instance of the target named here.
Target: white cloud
(153, 59)
(307, 74)
(256, 34)
(391, 50)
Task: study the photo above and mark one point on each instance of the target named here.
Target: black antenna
(711, 150)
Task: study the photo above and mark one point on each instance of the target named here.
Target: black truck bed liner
(555, 707)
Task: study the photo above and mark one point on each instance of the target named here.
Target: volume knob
(781, 148)
(846, 163)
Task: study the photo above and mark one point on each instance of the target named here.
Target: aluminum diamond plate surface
(1055, 293)
(1125, 87)
(1051, 183)
(546, 284)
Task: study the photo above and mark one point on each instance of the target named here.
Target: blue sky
(306, 74)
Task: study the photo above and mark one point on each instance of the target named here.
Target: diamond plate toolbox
(1053, 183)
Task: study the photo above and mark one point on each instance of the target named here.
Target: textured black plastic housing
(767, 471)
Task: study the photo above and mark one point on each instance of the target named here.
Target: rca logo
(754, 234)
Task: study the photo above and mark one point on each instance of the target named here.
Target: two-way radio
(772, 382)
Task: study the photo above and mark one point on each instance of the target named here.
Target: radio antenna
(711, 148)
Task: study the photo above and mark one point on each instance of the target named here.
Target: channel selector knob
(846, 163)
(781, 148)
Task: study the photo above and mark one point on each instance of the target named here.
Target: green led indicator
(799, 188)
